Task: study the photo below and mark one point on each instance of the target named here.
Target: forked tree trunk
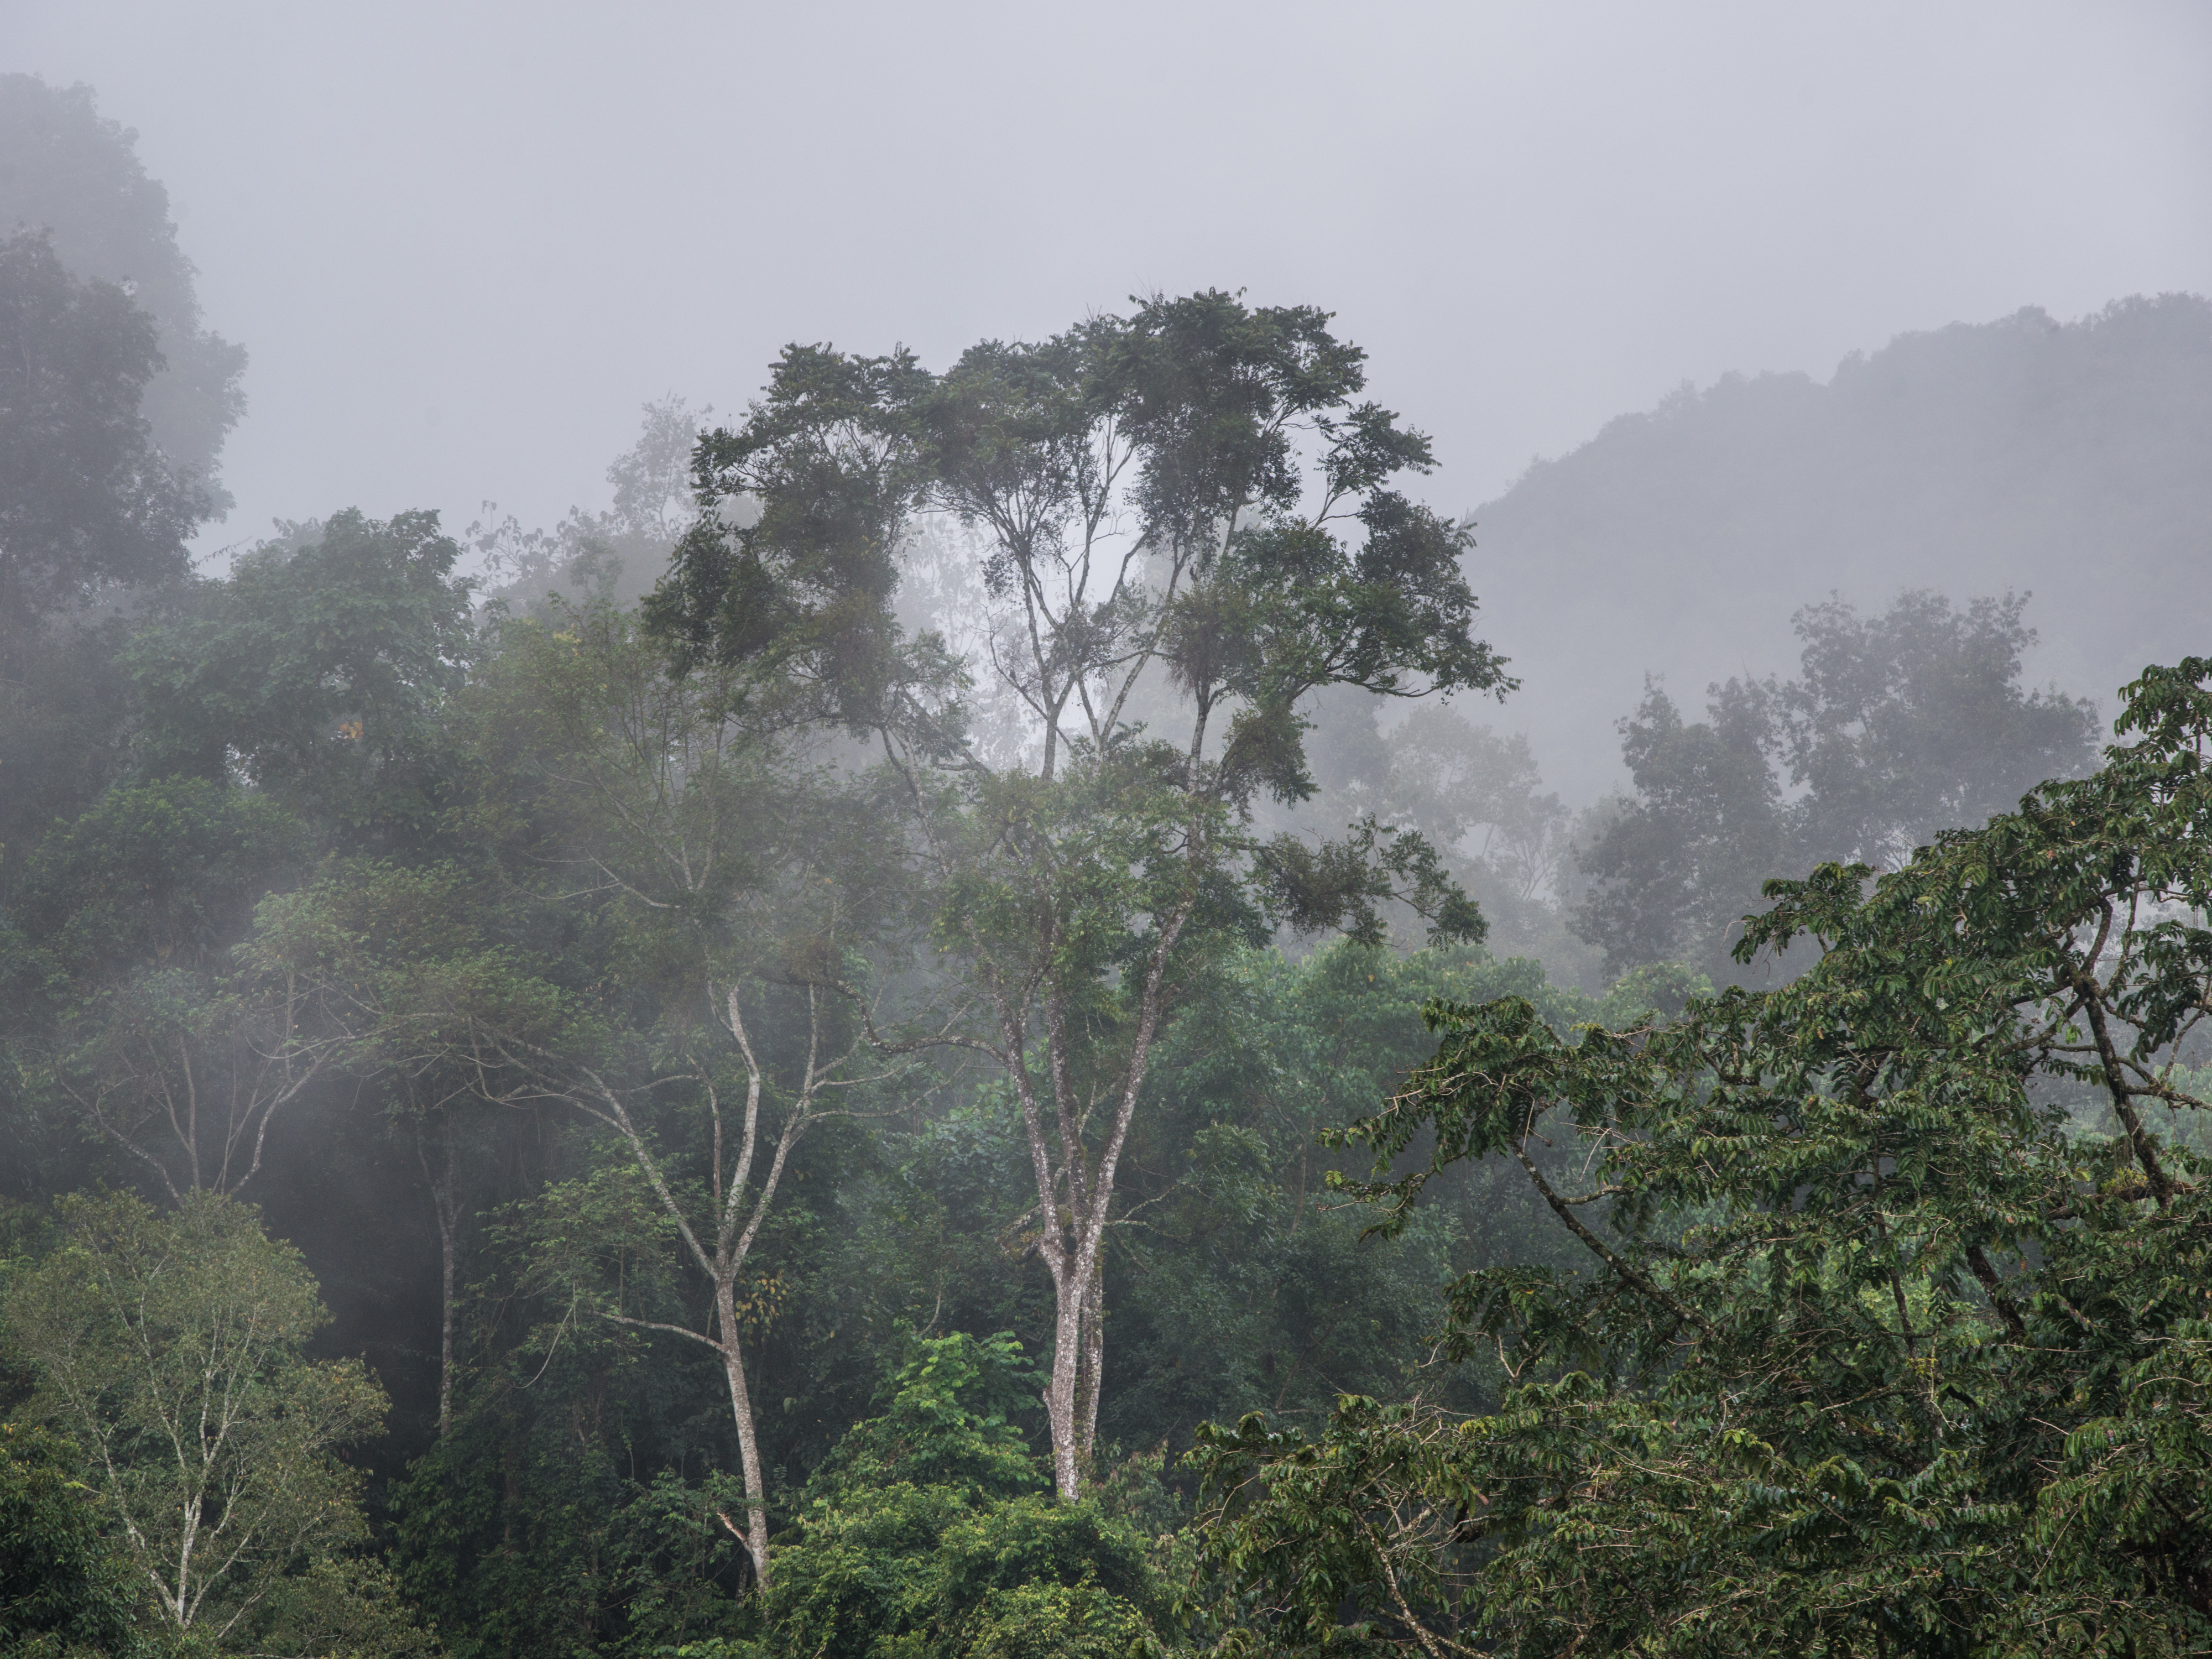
(1078, 1359)
(721, 1253)
(1074, 1249)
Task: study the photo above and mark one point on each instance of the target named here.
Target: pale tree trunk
(178, 1601)
(1074, 1194)
(1092, 1382)
(755, 1536)
(1069, 1454)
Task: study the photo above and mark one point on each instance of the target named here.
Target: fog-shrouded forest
(1024, 1004)
(2057, 460)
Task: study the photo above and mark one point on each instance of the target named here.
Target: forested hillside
(931, 1036)
(2026, 455)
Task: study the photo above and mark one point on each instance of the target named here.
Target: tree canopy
(174, 1347)
(74, 176)
(86, 503)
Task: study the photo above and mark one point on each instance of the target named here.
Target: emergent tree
(1181, 516)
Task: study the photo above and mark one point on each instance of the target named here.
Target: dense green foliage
(174, 1349)
(1869, 1351)
(931, 1529)
(63, 1590)
(1165, 577)
(389, 887)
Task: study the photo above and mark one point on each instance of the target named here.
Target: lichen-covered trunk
(1079, 1362)
(1092, 1378)
(741, 1408)
(1063, 1401)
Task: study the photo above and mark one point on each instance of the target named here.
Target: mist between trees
(962, 1027)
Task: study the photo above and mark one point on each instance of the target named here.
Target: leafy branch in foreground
(1876, 1351)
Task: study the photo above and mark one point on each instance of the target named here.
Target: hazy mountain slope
(2072, 460)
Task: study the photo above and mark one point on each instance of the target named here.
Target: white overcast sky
(464, 242)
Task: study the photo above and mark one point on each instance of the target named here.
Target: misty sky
(464, 242)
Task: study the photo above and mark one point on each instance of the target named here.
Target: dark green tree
(65, 1590)
(90, 513)
(318, 671)
(113, 404)
(88, 504)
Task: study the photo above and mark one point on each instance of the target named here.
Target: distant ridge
(2072, 459)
